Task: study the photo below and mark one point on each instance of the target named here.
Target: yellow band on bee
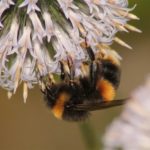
(106, 89)
(58, 108)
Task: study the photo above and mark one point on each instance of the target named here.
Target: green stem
(90, 137)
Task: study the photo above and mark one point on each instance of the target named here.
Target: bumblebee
(72, 99)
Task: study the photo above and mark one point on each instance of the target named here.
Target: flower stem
(91, 139)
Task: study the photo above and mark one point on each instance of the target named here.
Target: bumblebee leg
(95, 66)
(95, 73)
(89, 51)
(64, 71)
(92, 74)
(50, 93)
(71, 68)
(62, 75)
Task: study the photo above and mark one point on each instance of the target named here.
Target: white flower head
(39, 31)
(37, 35)
(31, 5)
(48, 25)
(131, 129)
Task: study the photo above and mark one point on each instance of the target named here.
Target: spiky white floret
(33, 44)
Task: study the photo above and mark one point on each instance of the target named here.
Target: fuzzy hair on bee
(73, 99)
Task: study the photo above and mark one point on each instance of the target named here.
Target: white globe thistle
(131, 130)
(37, 34)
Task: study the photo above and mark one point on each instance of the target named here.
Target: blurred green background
(31, 126)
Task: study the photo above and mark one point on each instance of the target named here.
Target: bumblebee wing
(92, 106)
